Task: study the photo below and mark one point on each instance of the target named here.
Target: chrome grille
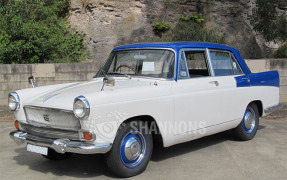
(52, 118)
(49, 132)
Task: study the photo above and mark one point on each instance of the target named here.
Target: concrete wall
(14, 77)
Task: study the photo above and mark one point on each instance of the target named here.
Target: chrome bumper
(60, 145)
(271, 109)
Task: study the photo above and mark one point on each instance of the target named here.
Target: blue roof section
(179, 45)
(176, 45)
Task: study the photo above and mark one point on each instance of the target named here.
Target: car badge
(46, 117)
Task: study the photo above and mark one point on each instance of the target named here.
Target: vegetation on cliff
(268, 21)
(189, 28)
(36, 31)
(281, 52)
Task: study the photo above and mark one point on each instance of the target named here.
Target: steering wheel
(124, 65)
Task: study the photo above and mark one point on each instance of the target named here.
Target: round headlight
(81, 107)
(13, 101)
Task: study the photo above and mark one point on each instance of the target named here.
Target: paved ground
(214, 157)
(5, 114)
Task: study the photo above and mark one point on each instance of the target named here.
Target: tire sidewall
(240, 131)
(114, 160)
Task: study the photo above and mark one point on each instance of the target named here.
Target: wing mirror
(109, 81)
(32, 80)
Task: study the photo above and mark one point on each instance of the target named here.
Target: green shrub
(190, 28)
(36, 31)
(194, 17)
(281, 52)
(161, 27)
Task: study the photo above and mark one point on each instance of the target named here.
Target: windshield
(148, 63)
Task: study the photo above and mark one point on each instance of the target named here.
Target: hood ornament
(109, 81)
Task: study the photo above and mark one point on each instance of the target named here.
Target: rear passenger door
(226, 68)
(206, 89)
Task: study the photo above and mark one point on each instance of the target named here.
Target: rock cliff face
(108, 23)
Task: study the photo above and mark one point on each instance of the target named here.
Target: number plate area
(37, 149)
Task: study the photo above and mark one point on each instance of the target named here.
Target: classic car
(144, 95)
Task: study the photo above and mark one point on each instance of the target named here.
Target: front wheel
(131, 151)
(247, 129)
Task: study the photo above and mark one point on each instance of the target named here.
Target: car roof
(180, 45)
(176, 45)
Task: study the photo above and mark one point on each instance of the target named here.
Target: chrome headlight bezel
(16, 99)
(84, 112)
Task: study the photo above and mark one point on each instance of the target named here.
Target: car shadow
(80, 166)
(160, 153)
(85, 166)
(261, 127)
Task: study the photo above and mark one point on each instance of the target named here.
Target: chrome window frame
(181, 53)
(212, 74)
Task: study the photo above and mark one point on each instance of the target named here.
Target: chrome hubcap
(133, 148)
(249, 120)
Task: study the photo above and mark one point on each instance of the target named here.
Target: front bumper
(60, 145)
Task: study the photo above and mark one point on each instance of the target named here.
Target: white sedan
(164, 93)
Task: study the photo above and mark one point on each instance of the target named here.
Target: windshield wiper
(122, 74)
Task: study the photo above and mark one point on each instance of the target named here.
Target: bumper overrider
(60, 145)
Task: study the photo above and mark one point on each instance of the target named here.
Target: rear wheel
(131, 151)
(247, 129)
(53, 155)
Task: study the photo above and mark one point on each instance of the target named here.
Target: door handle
(214, 82)
(246, 79)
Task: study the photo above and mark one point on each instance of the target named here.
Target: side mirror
(32, 80)
(109, 81)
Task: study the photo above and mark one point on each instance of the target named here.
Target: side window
(196, 63)
(223, 64)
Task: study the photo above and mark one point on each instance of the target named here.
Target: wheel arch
(259, 105)
(156, 134)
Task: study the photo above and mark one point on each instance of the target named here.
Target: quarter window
(183, 71)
